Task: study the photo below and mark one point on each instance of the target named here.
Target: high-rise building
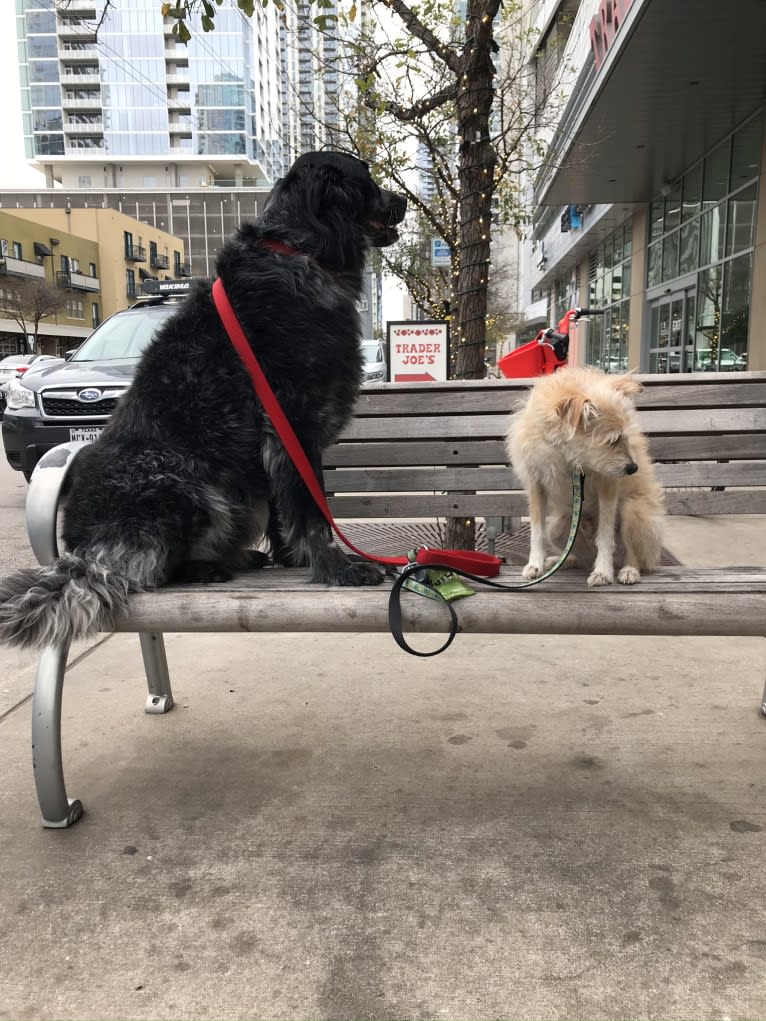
(310, 81)
(129, 106)
(188, 139)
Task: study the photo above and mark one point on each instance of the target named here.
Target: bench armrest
(43, 500)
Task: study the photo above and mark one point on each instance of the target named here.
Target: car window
(123, 337)
(372, 352)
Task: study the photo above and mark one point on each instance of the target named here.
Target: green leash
(443, 582)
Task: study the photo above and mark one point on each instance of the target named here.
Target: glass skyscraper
(105, 109)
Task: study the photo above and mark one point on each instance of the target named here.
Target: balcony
(79, 144)
(93, 102)
(81, 7)
(70, 79)
(21, 268)
(135, 253)
(84, 128)
(182, 269)
(83, 53)
(76, 30)
(71, 281)
(159, 261)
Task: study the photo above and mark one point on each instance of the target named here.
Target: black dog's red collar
(281, 247)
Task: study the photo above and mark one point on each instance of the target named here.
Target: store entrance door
(671, 338)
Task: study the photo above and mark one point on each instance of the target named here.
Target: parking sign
(440, 253)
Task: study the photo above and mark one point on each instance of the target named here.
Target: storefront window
(609, 289)
(735, 316)
(689, 256)
(673, 208)
(670, 256)
(692, 190)
(702, 271)
(716, 175)
(740, 221)
(711, 230)
(746, 154)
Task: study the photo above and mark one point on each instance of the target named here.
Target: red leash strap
(476, 563)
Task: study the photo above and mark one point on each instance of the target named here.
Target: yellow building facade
(97, 258)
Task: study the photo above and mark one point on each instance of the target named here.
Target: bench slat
(428, 505)
(489, 479)
(670, 602)
(469, 397)
(693, 420)
(733, 446)
(414, 451)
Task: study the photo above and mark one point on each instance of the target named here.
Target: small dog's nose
(631, 468)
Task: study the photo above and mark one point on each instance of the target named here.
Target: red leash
(475, 563)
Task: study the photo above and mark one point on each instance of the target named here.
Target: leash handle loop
(394, 600)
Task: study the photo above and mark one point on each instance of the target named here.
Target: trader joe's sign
(417, 351)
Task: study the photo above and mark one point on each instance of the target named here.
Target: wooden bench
(417, 454)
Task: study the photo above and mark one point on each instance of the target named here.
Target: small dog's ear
(627, 385)
(575, 410)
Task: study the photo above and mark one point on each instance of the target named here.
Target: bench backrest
(437, 450)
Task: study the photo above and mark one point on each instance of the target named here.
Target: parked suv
(72, 400)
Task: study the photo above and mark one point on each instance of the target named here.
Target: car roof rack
(169, 288)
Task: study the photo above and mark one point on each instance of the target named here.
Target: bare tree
(28, 302)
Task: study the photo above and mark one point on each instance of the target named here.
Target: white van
(374, 367)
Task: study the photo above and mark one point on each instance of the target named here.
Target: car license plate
(85, 434)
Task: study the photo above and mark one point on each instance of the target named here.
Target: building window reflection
(609, 279)
(706, 264)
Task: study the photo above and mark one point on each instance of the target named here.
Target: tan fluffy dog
(586, 418)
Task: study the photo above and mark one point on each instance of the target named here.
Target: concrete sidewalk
(325, 827)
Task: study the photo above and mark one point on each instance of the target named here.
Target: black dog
(175, 487)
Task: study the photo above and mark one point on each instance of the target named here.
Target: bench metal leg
(160, 697)
(58, 811)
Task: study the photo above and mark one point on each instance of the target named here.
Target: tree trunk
(476, 174)
(460, 533)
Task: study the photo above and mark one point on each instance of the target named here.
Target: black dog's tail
(70, 598)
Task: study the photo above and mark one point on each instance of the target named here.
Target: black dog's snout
(396, 207)
(631, 468)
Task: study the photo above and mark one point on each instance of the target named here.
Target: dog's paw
(359, 574)
(254, 560)
(202, 572)
(532, 571)
(599, 578)
(348, 572)
(629, 575)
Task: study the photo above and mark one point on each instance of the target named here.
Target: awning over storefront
(676, 78)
